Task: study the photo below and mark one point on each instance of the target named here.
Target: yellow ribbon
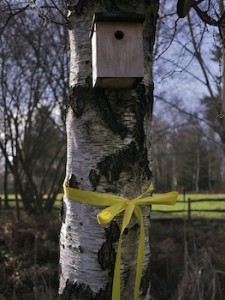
(115, 205)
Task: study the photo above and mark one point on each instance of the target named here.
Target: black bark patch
(140, 109)
(63, 212)
(110, 117)
(135, 227)
(126, 230)
(72, 181)
(146, 280)
(81, 250)
(107, 256)
(111, 190)
(88, 80)
(82, 292)
(105, 294)
(112, 166)
(113, 232)
(80, 7)
(78, 98)
(76, 292)
(124, 160)
(94, 178)
(111, 5)
(107, 253)
(126, 276)
(150, 99)
(144, 165)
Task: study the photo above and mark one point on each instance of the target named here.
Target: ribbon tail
(166, 199)
(116, 277)
(116, 280)
(140, 255)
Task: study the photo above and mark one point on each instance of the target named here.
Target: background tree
(186, 154)
(185, 45)
(33, 87)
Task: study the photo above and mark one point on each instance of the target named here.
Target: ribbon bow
(115, 205)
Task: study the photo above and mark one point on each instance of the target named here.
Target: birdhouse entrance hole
(119, 35)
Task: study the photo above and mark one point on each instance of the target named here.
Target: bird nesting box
(117, 50)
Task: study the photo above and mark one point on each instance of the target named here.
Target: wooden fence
(188, 208)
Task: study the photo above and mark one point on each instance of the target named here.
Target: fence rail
(186, 207)
(189, 207)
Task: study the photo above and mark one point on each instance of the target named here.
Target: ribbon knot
(116, 205)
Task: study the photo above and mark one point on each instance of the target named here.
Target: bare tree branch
(184, 7)
(198, 56)
(12, 12)
(46, 15)
(185, 112)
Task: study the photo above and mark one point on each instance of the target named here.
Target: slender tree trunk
(197, 171)
(108, 150)
(209, 169)
(16, 189)
(6, 194)
(174, 172)
(221, 104)
(6, 170)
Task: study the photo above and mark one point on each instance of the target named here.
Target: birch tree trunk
(108, 150)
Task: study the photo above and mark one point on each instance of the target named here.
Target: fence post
(189, 209)
(184, 194)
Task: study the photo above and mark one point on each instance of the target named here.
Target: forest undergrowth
(188, 259)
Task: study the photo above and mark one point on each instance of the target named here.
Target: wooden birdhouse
(117, 50)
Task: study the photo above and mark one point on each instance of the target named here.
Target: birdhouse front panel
(117, 54)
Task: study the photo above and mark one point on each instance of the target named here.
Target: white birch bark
(108, 138)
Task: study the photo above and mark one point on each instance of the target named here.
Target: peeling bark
(108, 142)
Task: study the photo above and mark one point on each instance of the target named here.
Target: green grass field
(166, 210)
(182, 206)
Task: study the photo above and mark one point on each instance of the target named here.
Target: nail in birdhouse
(117, 50)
